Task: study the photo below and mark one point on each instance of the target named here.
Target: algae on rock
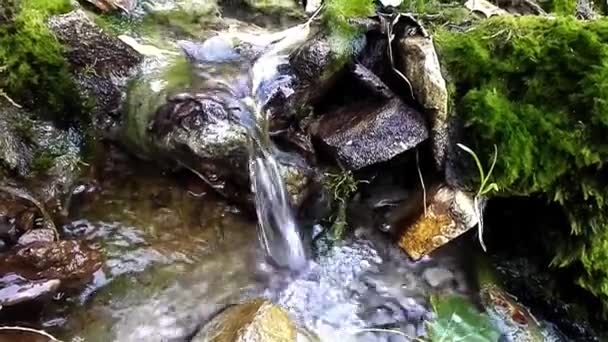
(536, 87)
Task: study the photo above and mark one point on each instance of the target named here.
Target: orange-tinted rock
(449, 214)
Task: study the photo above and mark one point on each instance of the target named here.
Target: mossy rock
(34, 71)
(536, 87)
(255, 321)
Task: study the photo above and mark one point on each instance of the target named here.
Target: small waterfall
(277, 227)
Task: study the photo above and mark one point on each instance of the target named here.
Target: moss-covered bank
(538, 88)
(34, 70)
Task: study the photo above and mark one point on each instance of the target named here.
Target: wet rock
(65, 260)
(421, 66)
(100, 62)
(437, 276)
(114, 5)
(449, 214)
(255, 321)
(15, 289)
(15, 155)
(36, 235)
(367, 132)
(201, 130)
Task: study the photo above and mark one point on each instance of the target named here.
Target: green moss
(343, 33)
(537, 87)
(35, 71)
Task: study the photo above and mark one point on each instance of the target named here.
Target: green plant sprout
(341, 187)
(484, 188)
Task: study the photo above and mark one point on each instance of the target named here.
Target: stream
(176, 254)
(174, 257)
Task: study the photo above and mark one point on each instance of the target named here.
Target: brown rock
(421, 67)
(65, 260)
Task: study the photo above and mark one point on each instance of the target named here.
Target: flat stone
(15, 289)
(437, 276)
(36, 235)
(363, 134)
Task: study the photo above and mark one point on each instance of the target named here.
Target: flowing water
(176, 254)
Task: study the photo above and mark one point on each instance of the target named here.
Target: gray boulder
(372, 130)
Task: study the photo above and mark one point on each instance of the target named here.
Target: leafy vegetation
(341, 187)
(32, 59)
(537, 87)
(484, 188)
(459, 320)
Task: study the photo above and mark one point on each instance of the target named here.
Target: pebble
(437, 276)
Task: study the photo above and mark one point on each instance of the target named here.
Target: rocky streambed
(130, 217)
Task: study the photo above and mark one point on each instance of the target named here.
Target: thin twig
(421, 183)
(31, 330)
(24, 195)
(5, 95)
(390, 37)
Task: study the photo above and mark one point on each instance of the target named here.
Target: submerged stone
(449, 214)
(255, 321)
(370, 131)
(15, 289)
(65, 260)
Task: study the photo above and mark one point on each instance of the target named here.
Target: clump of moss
(338, 19)
(537, 87)
(34, 69)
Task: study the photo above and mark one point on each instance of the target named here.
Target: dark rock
(370, 131)
(100, 62)
(65, 260)
(15, 289)
(36, 235)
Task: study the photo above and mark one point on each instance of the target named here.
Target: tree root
(31, 330)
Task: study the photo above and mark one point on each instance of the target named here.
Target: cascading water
(277, 226)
